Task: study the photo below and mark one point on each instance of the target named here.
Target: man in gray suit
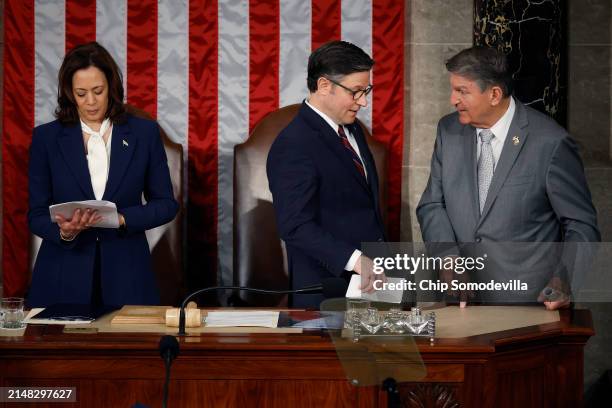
(503, 173)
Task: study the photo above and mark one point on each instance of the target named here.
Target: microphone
(168, 350)
(393, 396)
(329, 287)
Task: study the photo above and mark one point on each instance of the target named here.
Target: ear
(496, 95)
(323, 86)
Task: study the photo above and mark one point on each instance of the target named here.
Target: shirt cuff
(350, 265)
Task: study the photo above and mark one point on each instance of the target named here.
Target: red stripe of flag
(142, 55)
(326, 21)
(264, 39)
(202, 143)
(388, 97)
(80, 22)
(18, 120)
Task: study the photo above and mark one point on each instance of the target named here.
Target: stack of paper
(240, 318)
(106, 209)
(330, 320)
(31, 318)
(388, 296)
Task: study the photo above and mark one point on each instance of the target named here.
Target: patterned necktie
(486, 164)
(352, 152)
(97, 158)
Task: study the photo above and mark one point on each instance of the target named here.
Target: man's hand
(447, 275)
(365, 267)
(555, 295)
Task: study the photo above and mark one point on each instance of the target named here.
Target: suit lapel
(468, 138)
(517, 133)
(331, 139)
(123, 144)
(72, 149)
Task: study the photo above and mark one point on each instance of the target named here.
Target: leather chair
(260, 258)
(166, 241)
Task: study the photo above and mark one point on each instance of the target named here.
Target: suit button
(478, 239)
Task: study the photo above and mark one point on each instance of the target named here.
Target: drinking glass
(11, 313)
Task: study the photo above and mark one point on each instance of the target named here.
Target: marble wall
(590, 123)
(435, 32)
(534, 37)
(589, 77)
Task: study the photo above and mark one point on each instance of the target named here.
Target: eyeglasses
(356, 94)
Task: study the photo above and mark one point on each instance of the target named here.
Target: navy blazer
(58, 173)
(324, 207)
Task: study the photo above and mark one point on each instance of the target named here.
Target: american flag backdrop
(208, 70)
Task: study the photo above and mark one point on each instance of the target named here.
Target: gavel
(193, 316)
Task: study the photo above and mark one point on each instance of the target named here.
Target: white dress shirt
(94, 174)
(349, 136)
(500, 130)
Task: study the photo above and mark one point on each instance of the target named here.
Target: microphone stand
(308, 289)
(393, 397)
(168, 350)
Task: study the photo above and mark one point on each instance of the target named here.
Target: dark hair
(484, 65)
(336, 59)
(81, 57)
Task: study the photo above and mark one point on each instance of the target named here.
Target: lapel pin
(516, 140)
(126, 143)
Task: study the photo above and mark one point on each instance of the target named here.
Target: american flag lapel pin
(125, 143)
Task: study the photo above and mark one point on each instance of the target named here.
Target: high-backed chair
(166, 241)
(259, 255)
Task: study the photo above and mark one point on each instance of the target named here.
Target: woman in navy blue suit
(95, 150)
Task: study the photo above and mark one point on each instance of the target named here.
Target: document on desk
(67, 313)
(242, 319)
(388, 295)
(32, 319)
(329, 320)
(106, 209)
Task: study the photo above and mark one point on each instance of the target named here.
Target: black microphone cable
(330, 287)
(168, 350)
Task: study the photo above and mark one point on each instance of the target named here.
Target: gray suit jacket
(538, 193)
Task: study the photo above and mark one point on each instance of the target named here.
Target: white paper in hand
(388, 296)
(106, 209)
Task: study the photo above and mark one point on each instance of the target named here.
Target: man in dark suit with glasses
(323, 177)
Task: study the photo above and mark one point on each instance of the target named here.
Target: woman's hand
(80, 220)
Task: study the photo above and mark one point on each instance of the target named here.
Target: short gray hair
(484, 65)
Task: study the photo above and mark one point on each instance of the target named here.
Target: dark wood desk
(536, 366)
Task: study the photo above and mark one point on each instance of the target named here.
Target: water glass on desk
(11, 313)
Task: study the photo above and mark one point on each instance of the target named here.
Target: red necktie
(352, 152)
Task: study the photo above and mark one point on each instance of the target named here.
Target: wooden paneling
(538, 366)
